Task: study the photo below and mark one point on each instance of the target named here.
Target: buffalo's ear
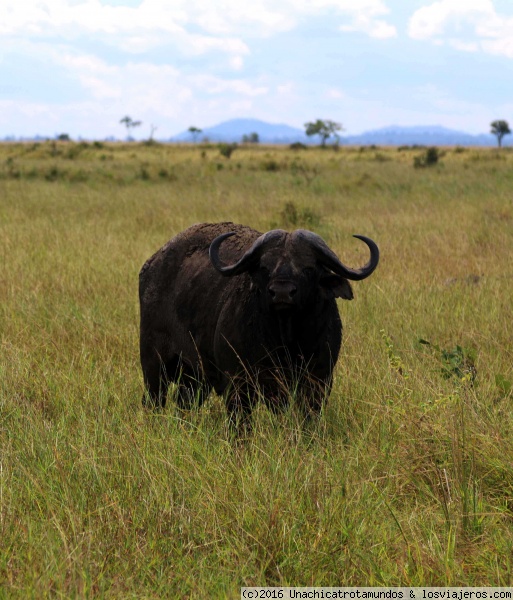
(335, 286)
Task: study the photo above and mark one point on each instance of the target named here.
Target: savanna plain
(406, 479)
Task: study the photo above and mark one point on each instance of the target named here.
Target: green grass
(407, 478)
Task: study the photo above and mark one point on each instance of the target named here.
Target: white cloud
(141, 86)
(153, 21)
(434, 20)
(256, 18)
(285, 89)
(365, 18)
(26, 109)
(439, 99)
(372, 27)
(215, 85)
(153, 94)
(236, 63)
(467, 26)
(335, 94)
(464, 46)
(502, 46)
(149, 85)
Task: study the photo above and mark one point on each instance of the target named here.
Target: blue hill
(233, 130)
(429, 135)
(273, 133)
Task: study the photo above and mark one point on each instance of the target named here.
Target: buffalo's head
(291, 270)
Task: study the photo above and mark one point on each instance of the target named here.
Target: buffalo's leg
(239, 406)
(192, 389)
(313, 396)
(156, 381)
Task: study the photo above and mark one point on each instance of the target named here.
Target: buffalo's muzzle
(282, 292)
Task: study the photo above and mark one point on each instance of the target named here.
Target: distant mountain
(429, 135)
(274, 133)
(233, 130)
(395, 135)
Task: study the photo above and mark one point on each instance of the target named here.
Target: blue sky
(79, 66)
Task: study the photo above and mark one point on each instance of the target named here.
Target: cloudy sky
(79, 66)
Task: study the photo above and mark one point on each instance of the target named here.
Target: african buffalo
(249, 315)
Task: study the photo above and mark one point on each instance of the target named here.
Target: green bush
(292, 216)
(428, 158)
(227, 150)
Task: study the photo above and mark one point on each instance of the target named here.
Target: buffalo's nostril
(282, 292)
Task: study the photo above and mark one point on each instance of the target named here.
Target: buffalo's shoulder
(198, 238)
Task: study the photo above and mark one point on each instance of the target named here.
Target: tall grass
(407, 479)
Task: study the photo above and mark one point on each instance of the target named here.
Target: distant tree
(194, 131)
(500, 129)
(153, 129)
(63, 137)
(324, 129)
(252, 138)
(129, 123)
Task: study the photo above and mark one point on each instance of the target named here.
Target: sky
(80, 66)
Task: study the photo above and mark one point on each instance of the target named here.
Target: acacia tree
(129, 123)
(153, 129)
(194, 131)
(500, 128)
(252, 138)
(324, 129)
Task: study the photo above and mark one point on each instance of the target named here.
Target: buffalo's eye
(309, 272)
(260, 276)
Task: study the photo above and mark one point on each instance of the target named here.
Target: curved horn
(248, 259)
(329, 259)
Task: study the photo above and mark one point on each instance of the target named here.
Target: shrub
(458, 362)
(12, 169)
(53, 174)
(292, 216)
(227, 150)
(53, 150)
(428, 158)
(79, 176)
(169, 175)
(73, 151)
(144, 174)
(270, 165)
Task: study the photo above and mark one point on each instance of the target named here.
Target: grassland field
(406, 480)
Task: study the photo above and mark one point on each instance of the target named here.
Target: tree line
(323, 128)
